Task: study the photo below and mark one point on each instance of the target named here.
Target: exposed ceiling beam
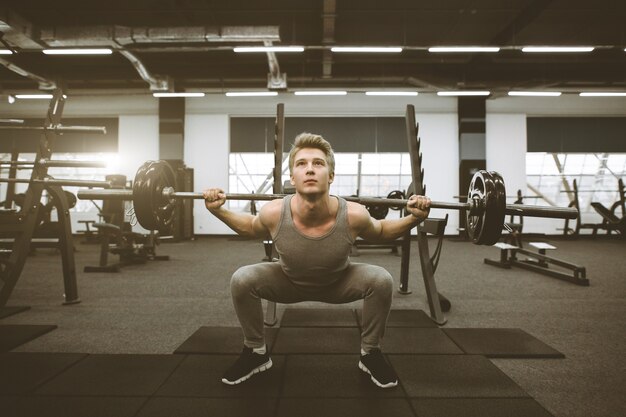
(523, 19)
(328, 36)
(17, 31)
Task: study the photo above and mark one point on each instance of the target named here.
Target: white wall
(207, 147)
(506, 149)
(439, 144)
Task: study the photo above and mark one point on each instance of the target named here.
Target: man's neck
(313, 209)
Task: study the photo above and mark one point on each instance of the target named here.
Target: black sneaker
(375, 364)
(248, 364)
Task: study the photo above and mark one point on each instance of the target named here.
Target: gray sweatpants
(371, 283)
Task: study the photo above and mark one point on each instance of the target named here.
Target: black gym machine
(611, 220)
(21, 225)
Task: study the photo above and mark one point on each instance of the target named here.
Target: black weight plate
(378, 212)
(142, 199)
(485, 226)
(396, 194)
(474, 220)
(164, 176)
(493, 220)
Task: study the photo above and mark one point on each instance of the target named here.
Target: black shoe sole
(264, 367)
(374, 380)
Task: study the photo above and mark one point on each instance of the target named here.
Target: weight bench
(119, 242)
(539, 262)
(609, 220)
(504, 261)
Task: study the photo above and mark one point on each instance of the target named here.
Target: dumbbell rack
(22, 224)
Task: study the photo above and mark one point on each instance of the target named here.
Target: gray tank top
(302, 256)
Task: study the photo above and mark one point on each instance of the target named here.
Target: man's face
(310, 173)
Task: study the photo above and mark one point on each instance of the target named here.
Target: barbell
(154, 198)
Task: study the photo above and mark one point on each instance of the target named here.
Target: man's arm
(390, 229)
(242, 223)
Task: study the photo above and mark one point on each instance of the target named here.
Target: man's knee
(241, 282)
(381, 280)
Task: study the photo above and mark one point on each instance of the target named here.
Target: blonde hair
(311, 140)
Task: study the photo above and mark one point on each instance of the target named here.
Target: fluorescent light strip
(178, 94)
(251, 94)
(6, 52)
(558, 49)
(535, 93)
(90, 51)
(321, 93)
(603, 94)
(391, 93)
(463, 93)
(33, 96)
(383, 49)
(464, 49)
(268, 49)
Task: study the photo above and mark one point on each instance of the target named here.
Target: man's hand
(418, 206)
(214, 198)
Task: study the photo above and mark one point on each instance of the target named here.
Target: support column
(472, 145)
(171, 127)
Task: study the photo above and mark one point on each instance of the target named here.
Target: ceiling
(187, 44)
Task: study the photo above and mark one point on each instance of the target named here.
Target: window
(551, 176)
(381, 173)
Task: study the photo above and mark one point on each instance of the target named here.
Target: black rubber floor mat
(318, 340)
(11, 310)
(335, 376)
(501, 343)
(22, 372)
(342, 407)
(404, 318)
(213, 407)
(453, 376)
(318, 317)
(113, 375)
(418, 341)
(38, 406)
(220, 340)
(479, 407)
(201, 376)
(14, 335)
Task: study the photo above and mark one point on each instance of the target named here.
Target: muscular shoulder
(358, 216)
(270, 213)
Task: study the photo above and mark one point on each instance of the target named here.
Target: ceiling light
(34, 96)
(603, 94)
(178, 94)
(251, 94)
(391, 93)
(321, 93)
(268, 49)
(366, 49)
(6, 52)
(75, 51)
(464, 49)
(558, 49)
(535, 93)
(463, 93)
(10, 99)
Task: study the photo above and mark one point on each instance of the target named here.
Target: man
(313, 233)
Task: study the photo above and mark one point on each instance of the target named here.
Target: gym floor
(152, 309)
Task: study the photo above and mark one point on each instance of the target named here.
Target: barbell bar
(60, 182)
(56, 163)
(474, 207)
(154, 199)
(59, 129)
